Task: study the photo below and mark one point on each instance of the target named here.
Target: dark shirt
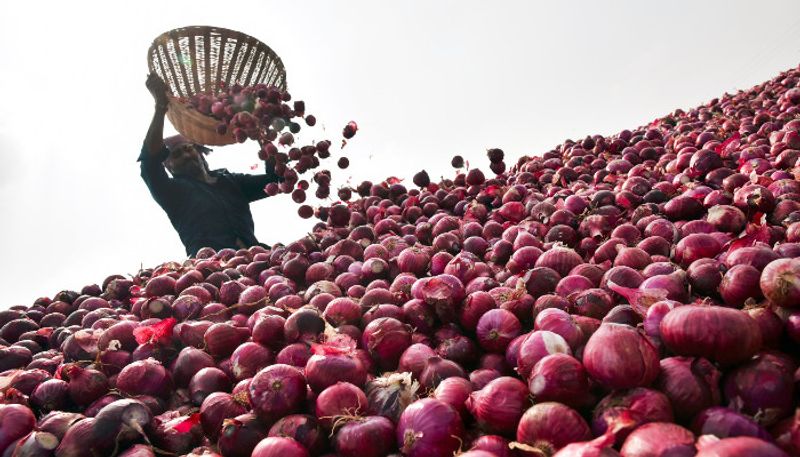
(214, 215)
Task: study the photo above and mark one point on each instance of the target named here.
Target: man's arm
(154, 140)
(153, 149)
(253, 185)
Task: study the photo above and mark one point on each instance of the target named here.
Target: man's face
(185, 160)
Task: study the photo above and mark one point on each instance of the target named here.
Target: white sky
(424, 80)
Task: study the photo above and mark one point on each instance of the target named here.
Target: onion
(276, 391)
(207, 381)
(549, 426)
(274, 446)
(496, 328)
(499, 405)
(497, 445)
(341, 400)
(16, 421)
(389, 395)
(414, 358)
(558, 321)
(331, 364)
(371, 436)
(248, 359)
(780, 284)
(696, 246)
(454, 391)
(723, 423)
(742, 445)
(437, 369)
(144, 377)
(762, 388)
(739, 285)
(50, 395)
(302, 428)
(659, 439)
(163, 432)
(619, 357)
(429, 427)
(386, 338)
(691, 384)
(624, 411)
(560, 378)
(537, 346)
(723, 335)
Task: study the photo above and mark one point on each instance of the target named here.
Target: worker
(208, 208)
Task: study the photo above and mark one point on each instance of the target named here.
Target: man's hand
(158, 89)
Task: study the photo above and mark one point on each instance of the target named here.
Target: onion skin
(780, 282)
(560, 378)
(659, 439)
(549, 426)
(499, 405)
(722, 335)
(429, 427)
(619, 357)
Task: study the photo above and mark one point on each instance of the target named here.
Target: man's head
(185, 157)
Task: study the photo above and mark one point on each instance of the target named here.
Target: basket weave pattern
(202, 59)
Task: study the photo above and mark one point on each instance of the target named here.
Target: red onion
(207, 381)
(144, 377)
(16, 421)
(659, 439)
(274, 446)
(536, 346)
(739, 285)
(723, 423)
(762, 388)
(454, 391)
(217, 407)
(561, 259)
(331, 364)
(431, 428)
(696, 246)
(50, 395)
(340, 400)
(691, 384)
(560, 378)
(302, 428)
(414, 358)
(497, 445)
(779, 282)
(163, 432)
(558, 321)
(437, 369)
(476, 304)
(496, 328)
(723, 335)
(371, 436)
(609, 361)
(549, 426)
(624, 411)
(296, 355)
(705, 276)
(499, 405)
(389, 395)
(742, 445)
(593, 302)
(276, 391)
(386, 338)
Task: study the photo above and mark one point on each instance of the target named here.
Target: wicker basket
(197, 59)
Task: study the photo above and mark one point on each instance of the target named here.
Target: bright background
(424, 80)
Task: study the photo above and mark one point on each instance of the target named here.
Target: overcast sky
(424, 80)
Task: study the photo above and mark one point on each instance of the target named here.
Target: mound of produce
(630, 295)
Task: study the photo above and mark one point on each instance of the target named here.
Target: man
(206, 207)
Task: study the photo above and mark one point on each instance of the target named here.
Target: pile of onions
(627, 295)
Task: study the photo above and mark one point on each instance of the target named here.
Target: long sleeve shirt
(214, 215)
